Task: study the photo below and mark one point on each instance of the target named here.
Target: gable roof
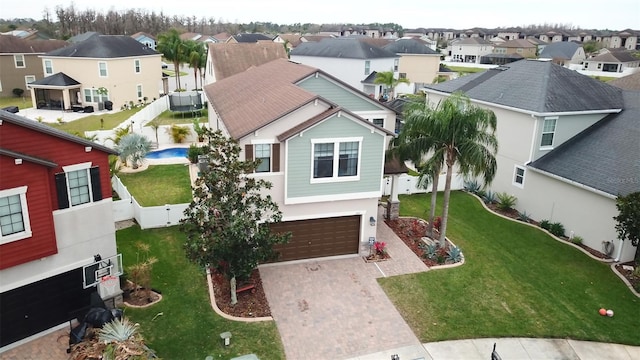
(105, 47)
(629, 82)
(46, 129)
(250, 38)
(371, 78)
(516, 43)
(347, 47)
(232, 58)
(57, 79)
(473, 41)
(293, 39)
(14, 45)
(559, 50)
(82, 37)
(538, 87)
(141, 34)
(614, 56)
(409, 46)
(606, 156)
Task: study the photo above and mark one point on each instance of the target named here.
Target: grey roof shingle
(559, 50)
(349, 48)
(536, 86)
(104, 47)
(629, 82)
(14, 45)
(606, 156)
(58, 79)
(250, 38)
(409, 46)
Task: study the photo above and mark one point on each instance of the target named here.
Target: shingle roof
(409, 46)
(559, 50)
(34, 125)
(232, 58)
(14, 45)
(140, 34)
(349, 48)
(58, 79)
(82, 37)
(256, 97)
(614, 56)
(516, 43)
(293, 39)
(251, 38)
(371, 78)
(629, 82)
(605, 156)
(536, 86)
(105, 47)
(33, 159)
(473, 41)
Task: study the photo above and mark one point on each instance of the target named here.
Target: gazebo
(55, 92)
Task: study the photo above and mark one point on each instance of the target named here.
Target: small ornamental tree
(628, 219)
(227, 223)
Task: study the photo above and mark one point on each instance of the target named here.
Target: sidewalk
(514, 349)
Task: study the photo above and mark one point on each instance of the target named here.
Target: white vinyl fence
(147, 217)
(408, 184)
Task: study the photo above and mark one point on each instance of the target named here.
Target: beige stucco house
(614, 60)
(568, 144)
(520, 47)
(418, 63)
(470, 50)
(128, 70)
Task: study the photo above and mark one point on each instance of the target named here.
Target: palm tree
(387, 79)
(196, 58)
(172, 48)
(454, 133)
(133, 147)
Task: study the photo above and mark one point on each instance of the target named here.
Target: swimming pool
(168, 153)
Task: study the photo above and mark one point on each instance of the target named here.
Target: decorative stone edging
(609, 261)
(212, 298)
(443, 266)
(146, 305)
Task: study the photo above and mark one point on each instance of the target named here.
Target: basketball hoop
(108, 286)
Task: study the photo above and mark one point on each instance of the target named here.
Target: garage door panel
(319, 237)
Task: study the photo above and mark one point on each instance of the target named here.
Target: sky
(458, 14)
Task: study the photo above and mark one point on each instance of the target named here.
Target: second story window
(48, 68)
(102, 69)
(336, 160)
(19, 60)
(395, 64)
(263, 153)
(136, 65)
(367, 67)
(78, 184)
(548, 132)
(14, 216)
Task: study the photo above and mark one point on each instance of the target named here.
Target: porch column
(66, 100)
(393, 204)
(33, 98)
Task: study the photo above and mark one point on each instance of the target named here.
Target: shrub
(472, 186)
(430, 250)
(380, 247)
(437, 222)
(576, 239)
(178, 133)
(489, 197)
(545, 224)
(506, 201)
(523, 216)
(557, 229)
(193, 153)
(18, 92)
(454, 254)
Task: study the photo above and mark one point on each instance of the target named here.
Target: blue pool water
(167, 153)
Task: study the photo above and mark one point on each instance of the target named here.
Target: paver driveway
(335, 309)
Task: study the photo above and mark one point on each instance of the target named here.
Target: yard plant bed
(251, 303)
(411, 231)
(633, 279)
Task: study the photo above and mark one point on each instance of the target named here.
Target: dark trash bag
(11, 109)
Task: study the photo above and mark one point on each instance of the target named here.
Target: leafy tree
(133, 148)
(196, 57)
(628, 219)
(227, 223)
(591, 47)
(387, 79)
(454, 133)
(173, 49)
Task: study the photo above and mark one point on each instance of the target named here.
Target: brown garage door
(319, 237)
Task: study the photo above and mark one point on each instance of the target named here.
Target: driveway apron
(334, 308)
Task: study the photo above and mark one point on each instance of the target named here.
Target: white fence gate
(408, 184)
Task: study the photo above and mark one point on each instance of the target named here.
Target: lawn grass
(603, 78)
(465, 70)
(92, 123)
(516, 282)
(170, 184)
(188, 327)
(21, 102)
(169, 117)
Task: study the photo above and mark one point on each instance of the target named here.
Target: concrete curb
(624, 279)
(212, 298)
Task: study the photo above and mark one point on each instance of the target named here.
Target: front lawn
(188, 328)
(21, 102)
(516, 282)
(169, 117)
(159, 185)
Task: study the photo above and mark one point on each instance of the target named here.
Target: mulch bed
(251, 303)
(411, 231)
(633, 279)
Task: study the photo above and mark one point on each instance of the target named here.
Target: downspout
(619, 254)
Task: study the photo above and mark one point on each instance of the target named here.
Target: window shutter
(248, 152)
(61, 189)
(275, 157)
(96, 188)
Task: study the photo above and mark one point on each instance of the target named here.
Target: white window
(367, 67)
(379, 122)
(518, 176)
(139, 91)
(14, 215)
(395, 64)
(19, 60)
(136, 65)
(102, 68)
(336, 160)
(263, 153)
(79, 189)
(92, 96)
(48, 67)
(29, 79)
(548, 131)
(78, 184)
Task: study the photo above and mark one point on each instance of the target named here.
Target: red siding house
(55, 216)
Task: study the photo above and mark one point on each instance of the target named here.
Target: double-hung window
(263, 153)
(19, 60)
(367, 67)
(28, 79)
(48, 67)
(518, 176)
(267, 153)
(336, 160)
(136, 65)
(102, 69)
(78, 184)
(14, 215)
(139, 91)
(548, 132)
